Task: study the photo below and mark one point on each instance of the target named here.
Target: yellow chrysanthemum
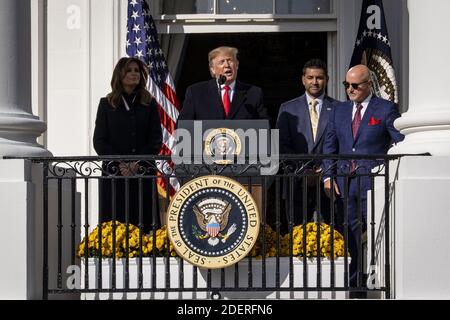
(270, 240)
(311, 245)
(107, 243)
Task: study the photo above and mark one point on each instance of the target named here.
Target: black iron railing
(287, 262)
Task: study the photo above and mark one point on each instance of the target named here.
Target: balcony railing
(287, 261)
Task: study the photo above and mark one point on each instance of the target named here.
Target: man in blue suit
(302, 122)
(362, 126)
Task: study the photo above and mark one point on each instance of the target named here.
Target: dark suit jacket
(203, 102)
(122, 132)
(294, 124)
(376, 135)
(296, 137)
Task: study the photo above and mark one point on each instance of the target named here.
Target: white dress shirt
(230, 91)
(319, 100)
(364, 104)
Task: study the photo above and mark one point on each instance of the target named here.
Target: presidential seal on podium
(223, 144)
(213, 222)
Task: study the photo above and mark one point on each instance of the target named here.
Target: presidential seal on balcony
(222, 144)
(213, 222)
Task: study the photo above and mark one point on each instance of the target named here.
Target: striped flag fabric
(373, 49)
(142, 43)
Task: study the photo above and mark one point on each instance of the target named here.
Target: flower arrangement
(311, 241)
(120, 242)
(161, 242)
(270, 241)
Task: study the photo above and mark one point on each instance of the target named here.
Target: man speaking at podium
(223, 97)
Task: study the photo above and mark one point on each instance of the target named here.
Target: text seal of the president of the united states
(213, 222)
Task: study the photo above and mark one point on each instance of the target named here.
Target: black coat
(121, 132)
(203, 102)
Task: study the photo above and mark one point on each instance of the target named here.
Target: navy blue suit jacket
(294, 123)
(296, 136)
(203, 102)
(375, 135)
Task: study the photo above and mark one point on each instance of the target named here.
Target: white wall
(82, 49)
(16, 238)
(422, 219)
(68, 77)
(85, 39)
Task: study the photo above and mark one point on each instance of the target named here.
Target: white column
(21, 243)
(420, 220)
(420, 200)
(18, 127)
(426, 124)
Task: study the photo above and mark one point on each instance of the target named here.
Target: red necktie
(356, 120)
(226, 100)
(355, 126)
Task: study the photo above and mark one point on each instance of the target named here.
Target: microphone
(221, 79)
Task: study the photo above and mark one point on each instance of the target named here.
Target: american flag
(373, 49)
(142, 43)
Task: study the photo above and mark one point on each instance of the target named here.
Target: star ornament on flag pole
(373, 49)
(142, 43)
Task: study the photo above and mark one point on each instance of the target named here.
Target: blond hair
(222, 50)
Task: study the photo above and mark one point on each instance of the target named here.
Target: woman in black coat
(128, 123)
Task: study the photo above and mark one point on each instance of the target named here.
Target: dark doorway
(272, 61)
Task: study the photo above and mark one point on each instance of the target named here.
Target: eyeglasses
(355, 86)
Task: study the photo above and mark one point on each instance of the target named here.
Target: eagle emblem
(212, 217)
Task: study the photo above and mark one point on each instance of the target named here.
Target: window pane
(303, 6)
(245, 6)
(187, 6)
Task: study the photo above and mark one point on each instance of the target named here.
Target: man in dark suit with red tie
(223, 97)
(362, 126)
